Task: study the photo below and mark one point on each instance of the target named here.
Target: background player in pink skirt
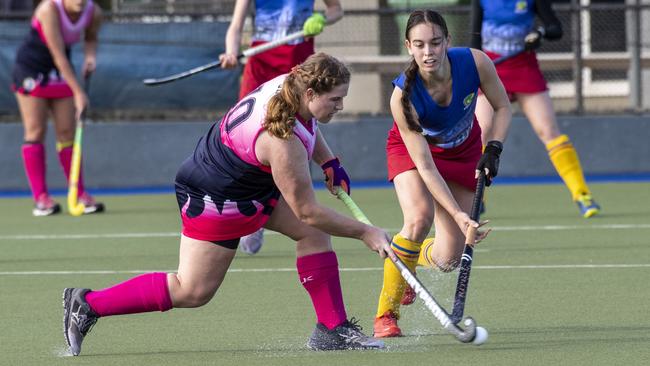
(45, 84)
(274, 19)
(504, 28)
(250, 170)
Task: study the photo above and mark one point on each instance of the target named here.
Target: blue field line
(608, 178)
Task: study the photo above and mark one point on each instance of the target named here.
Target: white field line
(572, 227)
(366, 269)
(177, 234)
(89, 236)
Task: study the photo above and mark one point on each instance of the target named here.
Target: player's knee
(195, 298)
(65, 134)
(418, 228)
(548, 134)
(36, 134)
(316, 241)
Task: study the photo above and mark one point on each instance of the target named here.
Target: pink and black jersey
(34, 71)
(243, 123)
(223, 191)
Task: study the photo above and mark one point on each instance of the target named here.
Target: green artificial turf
(551, 287)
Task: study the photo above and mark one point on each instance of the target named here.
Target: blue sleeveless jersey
(277, 18)
(453, 123)
(505, 25)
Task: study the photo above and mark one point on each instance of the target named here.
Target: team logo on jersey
(29, 84)
(468, 100)
(521, 7)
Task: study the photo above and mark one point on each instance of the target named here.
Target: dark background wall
(131, 52)
(147, 154)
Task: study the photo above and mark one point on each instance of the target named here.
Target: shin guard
(319, 275)
(565, 160)
(144, 293)
(35, 167)
(394, 284)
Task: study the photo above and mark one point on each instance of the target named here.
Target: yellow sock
(394, 285)
(565, 159)
(425, 259)
(62, 145)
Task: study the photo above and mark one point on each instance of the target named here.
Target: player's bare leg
(34, 112)
(539, 111)
(319, 274)
(201, 270)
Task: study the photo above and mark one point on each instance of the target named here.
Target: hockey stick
(468, 334)
(76, 208)
(501, 59)
(249, 52)
(466, 259)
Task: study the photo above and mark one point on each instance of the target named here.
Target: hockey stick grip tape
(352, 206)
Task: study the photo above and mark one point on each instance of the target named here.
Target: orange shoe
(386, 326)
(409, 296)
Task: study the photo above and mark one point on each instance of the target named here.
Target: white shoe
(252, 243)
(45, 206)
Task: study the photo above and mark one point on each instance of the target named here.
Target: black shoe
(95, 208)
(78, 318)
(346, 336)
(90, 205)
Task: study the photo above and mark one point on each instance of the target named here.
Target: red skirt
(457, 164)
(272, 63)
(520, 74)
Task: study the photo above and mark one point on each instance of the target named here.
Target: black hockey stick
(466, 260)
(466, 335)
(214, 64)
(501, 59)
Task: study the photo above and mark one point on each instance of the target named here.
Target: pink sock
(34, 161)
(65, 158)
(141, 294)
(319, 275)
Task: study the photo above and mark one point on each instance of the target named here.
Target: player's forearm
(233, 39)
(67, 72)
(333, 14)
(322, 151)
(331, 222)
(90, 48)
(440, 191)
(500, 124)
(431, 177)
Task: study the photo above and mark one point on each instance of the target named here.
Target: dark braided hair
(417, 17)
(320, 72)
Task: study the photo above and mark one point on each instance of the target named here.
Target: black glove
(490, 160)
(534, 39)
